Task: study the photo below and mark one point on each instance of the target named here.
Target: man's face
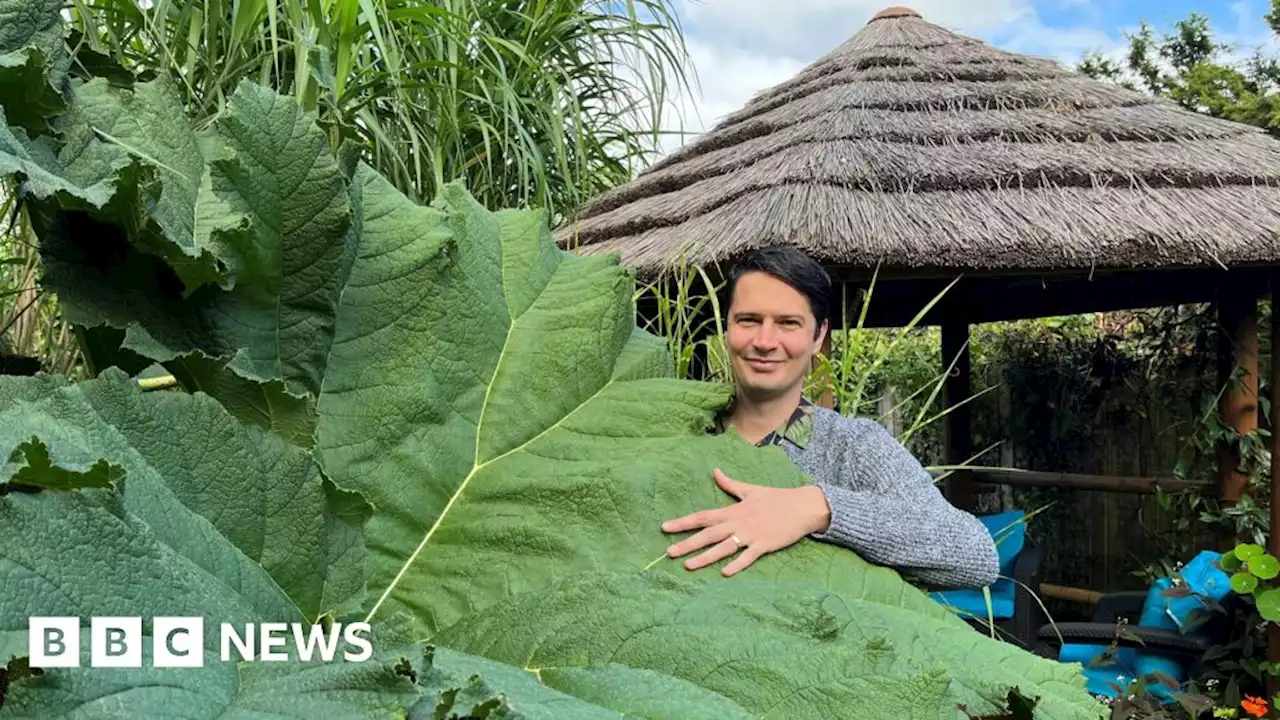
(770, 335)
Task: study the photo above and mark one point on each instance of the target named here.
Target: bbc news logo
(178, 642)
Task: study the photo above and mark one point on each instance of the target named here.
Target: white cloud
(727, 77)
(1250, 32)
(741, 47)
(1067, 45)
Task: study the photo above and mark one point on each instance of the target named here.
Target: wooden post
(957, 428)
(1238, 315)
(1273, 538)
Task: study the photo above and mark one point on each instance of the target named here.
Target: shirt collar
(797, 430)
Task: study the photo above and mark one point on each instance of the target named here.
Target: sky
(741, 47)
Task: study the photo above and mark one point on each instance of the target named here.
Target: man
(869, 493)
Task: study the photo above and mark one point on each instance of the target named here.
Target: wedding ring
(736, 542)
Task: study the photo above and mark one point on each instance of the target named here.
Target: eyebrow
(789, 316)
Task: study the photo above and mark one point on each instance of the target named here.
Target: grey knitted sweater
(884, 504)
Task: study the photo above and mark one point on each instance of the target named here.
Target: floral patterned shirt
(797, 430)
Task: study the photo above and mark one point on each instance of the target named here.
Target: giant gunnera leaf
(431, 418)
(33, 61)
(202, 516)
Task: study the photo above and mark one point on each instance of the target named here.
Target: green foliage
(271, 541)
(1237, 665)
(1131, 393)
(529, 104)
(1189, 66)
(1252, 569)
(33, 61)
(33, 335)
(427, 417)
(685, 310)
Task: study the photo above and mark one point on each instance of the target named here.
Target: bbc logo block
(179, 642)
(53, 642)
(115, 642)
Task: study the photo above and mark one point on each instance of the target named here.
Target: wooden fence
(1099, 524)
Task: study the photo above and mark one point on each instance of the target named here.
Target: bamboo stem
(957, 432)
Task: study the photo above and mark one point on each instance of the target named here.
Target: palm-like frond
(541, 103)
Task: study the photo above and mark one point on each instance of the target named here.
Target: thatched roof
(916, 147)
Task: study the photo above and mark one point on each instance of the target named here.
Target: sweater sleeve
(886, 507)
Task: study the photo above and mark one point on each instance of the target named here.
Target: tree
(1190, 67)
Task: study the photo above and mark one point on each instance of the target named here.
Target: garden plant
(423, 416)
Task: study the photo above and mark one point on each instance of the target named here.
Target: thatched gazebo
(930, 156)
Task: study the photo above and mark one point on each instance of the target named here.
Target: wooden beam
(957, 426)
(862, 273)
(1062, 592)
(998, 298)
(1079, 481)
(1238, 358)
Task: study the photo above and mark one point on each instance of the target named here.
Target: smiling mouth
(762, 363)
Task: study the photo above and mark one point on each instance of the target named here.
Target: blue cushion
(1155, 615)
(1160, 611)
(1009, 530)
(1111, 676)
(1107, 678)
(1207, 582)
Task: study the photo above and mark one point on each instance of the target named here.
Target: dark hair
(794, 268)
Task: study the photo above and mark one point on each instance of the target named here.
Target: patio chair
(1015, 612)
(1158, 635)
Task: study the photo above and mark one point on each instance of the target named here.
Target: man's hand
(764, 520)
